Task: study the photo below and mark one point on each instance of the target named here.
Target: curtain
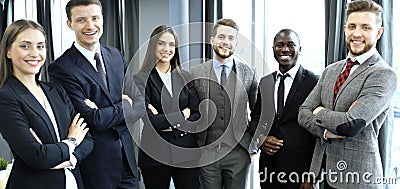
(4, 11)
(44, 18)
(121, 26)
(112, 25)
(212, 12)
(335, 45)
(385, 48)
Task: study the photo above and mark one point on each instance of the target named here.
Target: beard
(216, 50)
(367, 47)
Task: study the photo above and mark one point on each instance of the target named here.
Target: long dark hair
(150, 58)
(8, 39)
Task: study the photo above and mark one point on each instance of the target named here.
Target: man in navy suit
(287, 147)
(93, 76)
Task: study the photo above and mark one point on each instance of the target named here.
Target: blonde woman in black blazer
(37, 119)
(171, 103)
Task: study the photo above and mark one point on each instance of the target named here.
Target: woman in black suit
(37, 119)
(172, 108)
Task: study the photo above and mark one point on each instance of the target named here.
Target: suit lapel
(362, 68)
(297, 81)
(87, 67)
(159, 85)
(51, 92)
(31, 101)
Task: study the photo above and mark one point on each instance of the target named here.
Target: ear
(380, 32)
(212, 40)
(8, 54)
(69, 24)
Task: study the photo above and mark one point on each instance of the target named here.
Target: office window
(259, 21)
(396, 99)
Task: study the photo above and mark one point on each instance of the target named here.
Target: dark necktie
(281, 93)
(342, 77)
(223, 75)
(100, 69)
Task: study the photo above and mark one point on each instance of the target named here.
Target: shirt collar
(364, 57)
(291, 73)
(228, 64)
(86, 53)
(162, 73)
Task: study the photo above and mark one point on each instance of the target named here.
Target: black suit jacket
(19, 112)
(103, 168)
(164, 147)
(298, 143)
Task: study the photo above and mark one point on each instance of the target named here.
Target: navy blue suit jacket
(20, 111)
(103, 168)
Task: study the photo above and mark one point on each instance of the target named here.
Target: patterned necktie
(343, 76)
(223, 75)
(100, 69)
(281, 93)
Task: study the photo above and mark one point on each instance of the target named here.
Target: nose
(34, 52)
(357, 31)
(90, 23)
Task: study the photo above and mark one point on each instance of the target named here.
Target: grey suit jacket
(371, 86)
(245, 95)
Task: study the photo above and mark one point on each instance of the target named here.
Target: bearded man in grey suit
(228, 87)
(347, 114)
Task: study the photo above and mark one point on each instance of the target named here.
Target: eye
(291, 45)
(231, 38)
(81, 20)
(24, 46)
(366, 28)
(96, 18)
(278, 45)
(41, 46)
(172, 44)
(351, 27)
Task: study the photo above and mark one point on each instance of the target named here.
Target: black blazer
(19, 112)
(103, 168)
(298, 143)
(154, 140)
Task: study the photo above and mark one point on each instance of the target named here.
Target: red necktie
(343, 76)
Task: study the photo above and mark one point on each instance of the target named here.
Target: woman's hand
(186, 113)
(152, 109)
(90, 104)
(78, 129)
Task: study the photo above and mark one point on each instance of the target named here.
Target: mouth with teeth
(33, 63)
(357, 43)
(285, 57)
(224, 49)
(90, 34)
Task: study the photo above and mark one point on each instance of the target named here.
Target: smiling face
(165, 48)
(286, 50)
(362, 32)
(27, 53)
(87, 23)
(224, 42)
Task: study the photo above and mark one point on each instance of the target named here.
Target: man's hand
(328, 134)
(271, 145)
(319, 108)
(306, 184)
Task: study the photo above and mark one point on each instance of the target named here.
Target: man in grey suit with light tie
(349, 105)
(228, 87)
